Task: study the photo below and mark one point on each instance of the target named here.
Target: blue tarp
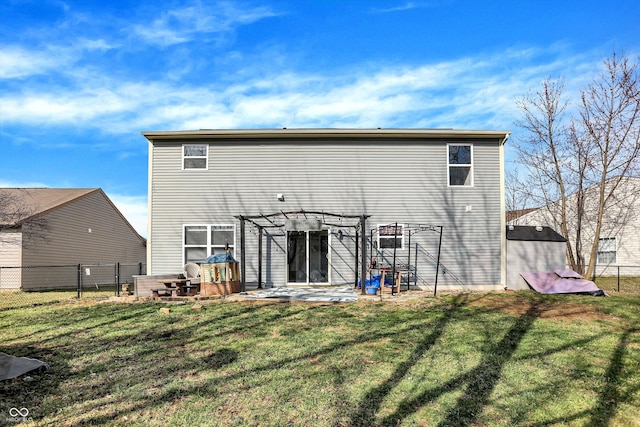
(214, 259)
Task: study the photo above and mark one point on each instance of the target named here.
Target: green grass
(452, 360)
(626, 284)
(17, 299)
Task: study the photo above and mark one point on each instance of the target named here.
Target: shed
(532, 249)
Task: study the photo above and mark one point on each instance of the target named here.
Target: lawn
(455, 360)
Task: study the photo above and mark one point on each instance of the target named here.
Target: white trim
(450, 165)
(205, 157)
(503, 222)
(308, 282)
(150, 208)
(614, 251)
(388, 237)
(209, 244)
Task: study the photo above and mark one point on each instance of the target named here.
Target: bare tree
(17, 213)
(577, 165)
(516, 198)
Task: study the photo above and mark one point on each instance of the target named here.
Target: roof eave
(501, 135)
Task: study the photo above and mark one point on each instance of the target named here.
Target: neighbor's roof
(327, 133)
(513, 215)
(33, 202)
(533, 234)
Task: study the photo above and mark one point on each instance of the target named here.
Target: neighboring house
(216, 189)
(619, 242)
(61, 227)
(531, 250)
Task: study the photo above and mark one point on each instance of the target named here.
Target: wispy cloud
(402, 7)
(468, 92)
(21, 184)
(17, 62)
(184, 24)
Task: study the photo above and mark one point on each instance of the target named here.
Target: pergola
(283, 220)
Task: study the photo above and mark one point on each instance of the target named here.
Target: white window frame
(209, 245)
(395, 236)
(205, 157)
(459, 165)
(607, 251)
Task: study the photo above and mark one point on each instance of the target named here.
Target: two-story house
(301, 206)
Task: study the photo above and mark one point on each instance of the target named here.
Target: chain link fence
(38, 284)
(618, 279)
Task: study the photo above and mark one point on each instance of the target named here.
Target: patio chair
(191, 272)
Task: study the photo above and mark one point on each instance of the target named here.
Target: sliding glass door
(308, 257)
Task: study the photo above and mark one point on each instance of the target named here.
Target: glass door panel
(297, 256)
(318, 256)
(308, 257)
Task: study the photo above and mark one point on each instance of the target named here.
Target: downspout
(503, 217)
(149, 208)
(243, 269)
(363, 236)
(259, 257)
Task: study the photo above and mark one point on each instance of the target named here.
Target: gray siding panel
(403, 181)
(10, 256)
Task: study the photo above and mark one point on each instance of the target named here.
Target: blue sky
(79, 80)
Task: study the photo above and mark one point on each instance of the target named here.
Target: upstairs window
(390, 236)
(606, 251)
(194, 156)
(460, 165)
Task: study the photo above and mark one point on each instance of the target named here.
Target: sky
(80, 80)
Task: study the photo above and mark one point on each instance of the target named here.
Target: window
(606, 251)
(390, 236)
(202, 241)
(460, 164)
(194, 156)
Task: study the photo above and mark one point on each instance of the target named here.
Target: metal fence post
(117, 279)
(618, 279)
(79, 280)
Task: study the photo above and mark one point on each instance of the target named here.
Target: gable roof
(513, 215)
(35, 202)
(533, 234)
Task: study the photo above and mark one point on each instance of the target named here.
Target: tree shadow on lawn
(106, 407)
(480, 382)
(152, 355)
(81, 336)
(145, 369)
(611, 395)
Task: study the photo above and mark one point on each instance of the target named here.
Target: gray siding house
(311, 194)
(619, 242)
(59, 227)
